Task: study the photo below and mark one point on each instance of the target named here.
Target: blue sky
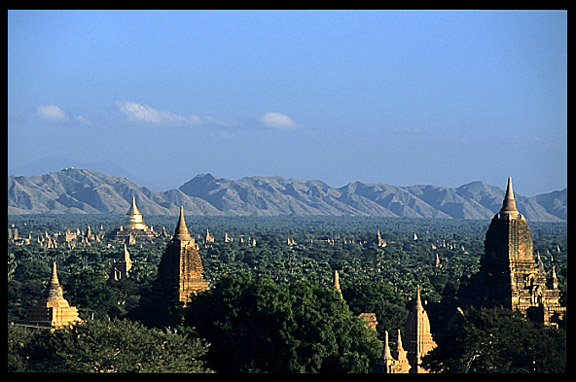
(404, 98)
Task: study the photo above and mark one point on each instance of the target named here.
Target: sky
(397, 97)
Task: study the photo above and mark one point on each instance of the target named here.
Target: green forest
(272, 307)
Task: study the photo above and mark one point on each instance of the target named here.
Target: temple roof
(181, 232)
(509, 204)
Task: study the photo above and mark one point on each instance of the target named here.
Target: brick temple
(180, 278)
(509, 274)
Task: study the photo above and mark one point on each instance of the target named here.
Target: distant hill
(79, 191)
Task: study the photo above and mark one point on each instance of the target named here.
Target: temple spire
(54, 289)
(509, 204)
(54, 280)
(387, 354)
(181, 232)
(337, 283)
(133, 208)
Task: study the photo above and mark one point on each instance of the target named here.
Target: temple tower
(509, 275)
(180, 273)
(180, 277)
(393, 362)
(417, 335)
(121, 268)
(52, 311)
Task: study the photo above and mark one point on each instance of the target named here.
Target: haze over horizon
(396, 97)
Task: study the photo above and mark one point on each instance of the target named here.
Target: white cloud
(137, 112)
(51, 113)
(277, 120)
(81, 119)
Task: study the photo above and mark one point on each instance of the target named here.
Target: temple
(417, 335)
(134, 226)
(393, 362)
(180, 277)
(52, 311)
(418, 342)
(121, 267)
(509, 274)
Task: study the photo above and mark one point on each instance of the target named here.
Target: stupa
(134, 226)
(52, 311)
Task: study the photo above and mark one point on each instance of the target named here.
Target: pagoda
(52, 311)
(393, 362)
(134, 226)
(509, 274)
(180, 277)
(417, 335)
(418, 338)
(121, 267)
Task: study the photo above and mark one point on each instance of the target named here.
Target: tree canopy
(257, 325)
(98, 346)
(498, 340)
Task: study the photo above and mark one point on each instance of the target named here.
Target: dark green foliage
(104, 346)
(256, 325)
(379, 298)
(498, 341)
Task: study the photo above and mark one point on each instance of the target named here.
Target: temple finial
(399, 346)
(54, 289)
(387, 354)
(181, 232)
(509, 204)
(54, 279)
(133, 208)
(418, 300)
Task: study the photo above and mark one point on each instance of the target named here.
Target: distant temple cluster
(509, 276)
(69, 239)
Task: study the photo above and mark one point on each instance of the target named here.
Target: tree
(119, 346)
(378, 298)
(256, 325)
(498, 340)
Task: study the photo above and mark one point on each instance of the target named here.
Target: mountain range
(82, 191)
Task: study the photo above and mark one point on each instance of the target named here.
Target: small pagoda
(52, 311)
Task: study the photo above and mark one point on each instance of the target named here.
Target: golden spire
(509, 204)
(133, 208)
(337, 283)
(387, 354)
(54, 289)
(399, 351)
(134, 218)
(181, 232)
